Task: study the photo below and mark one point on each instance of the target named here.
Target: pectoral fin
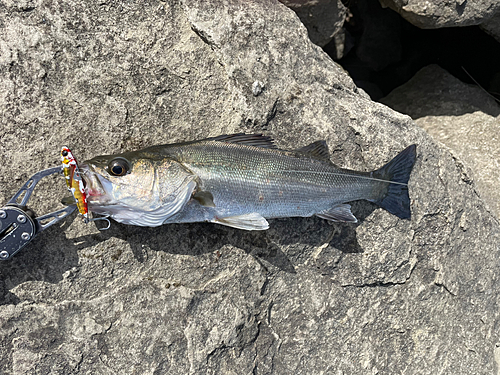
(205, 198)
(252, 221)
(342, 212)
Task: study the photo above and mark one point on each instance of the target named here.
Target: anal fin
(342, 212)
(252, 221)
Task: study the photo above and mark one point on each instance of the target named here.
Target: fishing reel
(18, 224)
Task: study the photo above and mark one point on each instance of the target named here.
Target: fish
(238, 180)
(74, 182)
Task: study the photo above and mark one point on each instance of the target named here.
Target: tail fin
(396, 199)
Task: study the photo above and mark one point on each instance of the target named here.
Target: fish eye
(118, 167)
(64, 153)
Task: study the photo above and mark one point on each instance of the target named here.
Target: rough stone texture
(435, 92)
(492, 26)
(322, 18)
(444, 13)
(474, 138)
(384, 296)
(463, 117)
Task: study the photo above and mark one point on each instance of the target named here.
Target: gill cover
(138, 190)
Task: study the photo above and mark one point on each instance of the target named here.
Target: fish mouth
(94, 185)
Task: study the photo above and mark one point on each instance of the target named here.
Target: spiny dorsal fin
(317, 150)
(342, 212)
(255, 140)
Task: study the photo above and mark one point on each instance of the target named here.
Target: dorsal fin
(317, 150)
(255, 140)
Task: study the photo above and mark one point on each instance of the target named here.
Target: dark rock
(444, 13)
(379, 44)
(322, 18)
(372, 35)
(340, 45)
(435, 92)
(492, 26)
(382, 296)
(462, 51)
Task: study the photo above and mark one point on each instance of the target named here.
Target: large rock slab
(443, 13)
(463, 117)
(383, 296)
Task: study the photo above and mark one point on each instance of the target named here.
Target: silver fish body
(238, 180)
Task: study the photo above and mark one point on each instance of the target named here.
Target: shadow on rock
(344, 236)
(286, 243)
(278, 245)
(46, 258)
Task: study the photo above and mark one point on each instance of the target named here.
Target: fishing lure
(75, 182)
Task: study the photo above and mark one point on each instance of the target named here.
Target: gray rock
(340, 45)
(454, 114)
(444, 13)
(257, 88)
(417, 296)
(474, 139)
(492, 26)
(322, 18)
(435, 92)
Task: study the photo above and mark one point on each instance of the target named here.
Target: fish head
(137, 188)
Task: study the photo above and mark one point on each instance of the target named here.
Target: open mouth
(93, 187)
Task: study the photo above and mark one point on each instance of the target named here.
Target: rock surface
(305, 297)
(492, 26)
(463, 117)
(322, 18)
(444, 13)
(435, 92)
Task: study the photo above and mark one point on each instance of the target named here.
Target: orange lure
(74, 181)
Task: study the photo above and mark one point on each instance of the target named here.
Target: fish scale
(240, 176)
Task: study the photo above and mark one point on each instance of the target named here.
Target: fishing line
(340, 174)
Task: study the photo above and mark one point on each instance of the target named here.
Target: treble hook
(105, 218)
